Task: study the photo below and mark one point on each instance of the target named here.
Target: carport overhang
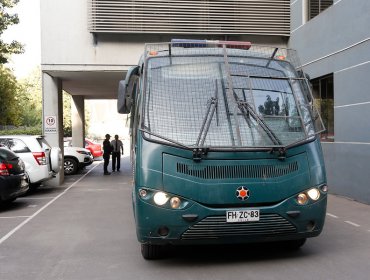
(89, 82)
(82, 82)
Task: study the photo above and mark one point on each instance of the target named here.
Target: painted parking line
(352, 223)
(331, 215)
(347, 222)
(14, 217)
(46, 197)
(14, 230)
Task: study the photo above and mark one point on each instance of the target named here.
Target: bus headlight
(324, 188)
(160, 198)
(302, 198)
(175, 202)
(314, 194)
(143, 192)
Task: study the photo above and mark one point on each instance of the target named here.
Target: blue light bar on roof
(190, 43)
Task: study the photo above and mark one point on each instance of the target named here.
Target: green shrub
(36, 130)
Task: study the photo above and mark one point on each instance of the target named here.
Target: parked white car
(41, 160)
(75, 158)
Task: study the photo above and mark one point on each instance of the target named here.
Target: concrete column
(78, 121)
(53, 107)
(304, 11)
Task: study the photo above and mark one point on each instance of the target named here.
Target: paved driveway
(84, 229)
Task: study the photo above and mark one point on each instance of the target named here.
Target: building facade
(334, 47)
(88, 45)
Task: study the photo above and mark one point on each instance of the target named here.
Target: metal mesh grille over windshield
(222, 97)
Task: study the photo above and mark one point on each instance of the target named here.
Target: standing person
(107, 148)
(116, 154)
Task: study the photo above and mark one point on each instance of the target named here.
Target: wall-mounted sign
(50, 124)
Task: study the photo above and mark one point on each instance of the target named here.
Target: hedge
(22, 130)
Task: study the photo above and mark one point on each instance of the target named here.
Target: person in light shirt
(116, 154)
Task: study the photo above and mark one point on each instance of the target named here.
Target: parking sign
(50, 125)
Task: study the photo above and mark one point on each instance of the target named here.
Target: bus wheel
(151, 252)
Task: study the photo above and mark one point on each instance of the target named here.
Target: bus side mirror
(125, 91)
(122, 107)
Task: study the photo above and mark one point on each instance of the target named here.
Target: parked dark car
(13, 180)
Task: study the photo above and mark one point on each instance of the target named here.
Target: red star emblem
(242, 193)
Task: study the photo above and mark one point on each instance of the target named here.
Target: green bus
(225, 146)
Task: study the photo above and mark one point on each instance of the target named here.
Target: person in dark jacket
(107, 149)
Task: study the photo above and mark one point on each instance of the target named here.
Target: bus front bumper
(199, 224)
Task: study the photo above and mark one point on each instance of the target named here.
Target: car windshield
(208, 101)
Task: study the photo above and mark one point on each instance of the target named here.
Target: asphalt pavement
(84, 229)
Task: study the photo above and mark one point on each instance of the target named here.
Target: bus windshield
(215, 101)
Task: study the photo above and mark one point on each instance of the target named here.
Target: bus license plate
(242, 216)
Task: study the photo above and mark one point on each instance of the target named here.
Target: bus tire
(150, 251)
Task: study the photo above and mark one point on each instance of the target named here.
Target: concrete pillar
(53, 108)
(78, 121)
(304, 11)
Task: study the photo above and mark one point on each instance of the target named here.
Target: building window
(317, 6)
(323, 93)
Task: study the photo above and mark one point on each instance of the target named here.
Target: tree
(30, 99)
(6, 20)
(9, 101)
(67, 122)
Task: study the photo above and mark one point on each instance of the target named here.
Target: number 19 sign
(50, 124)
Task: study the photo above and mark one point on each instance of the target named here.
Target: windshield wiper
(145, 130)
(200, 151)
(247, 111)
(211, 108)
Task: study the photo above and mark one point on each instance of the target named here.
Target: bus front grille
(237, 171)
(215, 227)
